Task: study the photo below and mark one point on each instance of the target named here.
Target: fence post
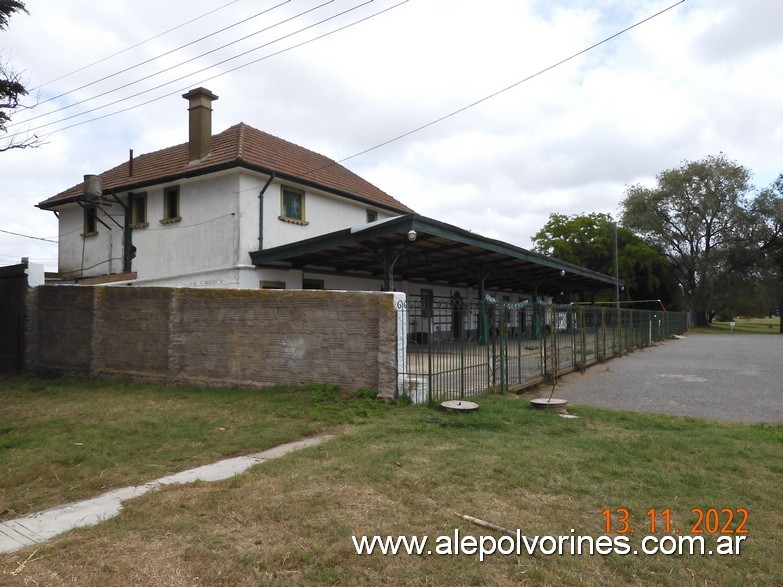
(430, 399)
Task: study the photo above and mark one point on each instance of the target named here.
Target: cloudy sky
(510, 147)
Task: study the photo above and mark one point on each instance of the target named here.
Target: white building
(246, 209)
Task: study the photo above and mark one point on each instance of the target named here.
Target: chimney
(200, 122)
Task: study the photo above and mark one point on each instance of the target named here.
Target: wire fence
(456, 348)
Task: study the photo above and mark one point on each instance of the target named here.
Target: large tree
(589, 241)
(696, 215)
(768, 212)
(12, 90)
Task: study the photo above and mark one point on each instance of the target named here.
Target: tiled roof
(241, 146)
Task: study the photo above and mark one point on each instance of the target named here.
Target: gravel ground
(720, 377)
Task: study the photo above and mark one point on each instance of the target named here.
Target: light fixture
(562, 273)
(412, 235)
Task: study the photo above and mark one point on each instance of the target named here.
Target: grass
(64, 440)
(742, 326)
(396, 470)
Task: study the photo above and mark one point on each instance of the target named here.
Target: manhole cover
(460, 405)
(551, 403)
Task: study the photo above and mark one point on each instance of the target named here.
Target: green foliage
(696, 215)
(589, 240)
(365, 393)
(768, 210)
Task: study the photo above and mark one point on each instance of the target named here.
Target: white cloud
(694, 81)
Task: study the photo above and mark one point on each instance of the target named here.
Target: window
(312, 283)
(138, 204)
(292, 205)
(90, 221)
(271, 284)
(171, 204)
(372, 216)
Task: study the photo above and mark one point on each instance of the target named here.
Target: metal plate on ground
(460, 405)
(551, 403)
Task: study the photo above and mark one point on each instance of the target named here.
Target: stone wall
(215, 336)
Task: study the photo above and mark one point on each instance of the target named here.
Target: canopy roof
(440, 253)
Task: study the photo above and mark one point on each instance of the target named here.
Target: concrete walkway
(41, 526)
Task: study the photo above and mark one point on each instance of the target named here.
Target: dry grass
(290, 521)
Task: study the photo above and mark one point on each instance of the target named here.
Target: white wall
(324, 213)
(211, 244)
(204, 239)
(90, 255)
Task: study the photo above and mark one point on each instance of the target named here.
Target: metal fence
(455, 347)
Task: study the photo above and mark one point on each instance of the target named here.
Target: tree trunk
(780, 311)
(701, 318)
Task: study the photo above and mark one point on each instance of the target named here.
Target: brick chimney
(200, 122)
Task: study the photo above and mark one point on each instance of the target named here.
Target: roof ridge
(241, 141)
(241, 145)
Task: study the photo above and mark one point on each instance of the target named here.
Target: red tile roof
(239, 146)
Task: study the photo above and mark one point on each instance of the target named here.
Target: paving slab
(41, 526)
(729, 377)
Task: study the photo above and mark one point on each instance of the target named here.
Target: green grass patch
(406, 471)
(64, 440)
(742, 326)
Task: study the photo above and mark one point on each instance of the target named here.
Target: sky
(502, 112)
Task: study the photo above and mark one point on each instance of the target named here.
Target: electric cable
(489, 96)
(414, 130)
(139, 44)
(29, 130)
(507, 88)
(154, 59)
(38, 238)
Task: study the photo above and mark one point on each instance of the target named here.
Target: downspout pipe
(261, 212)
(127, 237)
(128, 252)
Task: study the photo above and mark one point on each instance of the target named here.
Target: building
(244, 209)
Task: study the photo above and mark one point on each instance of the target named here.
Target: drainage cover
(460, 405)
(551, 403)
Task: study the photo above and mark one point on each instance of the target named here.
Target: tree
(588, 241)
(698, 216)
(7, 8)
(12, 90)
(768, 211)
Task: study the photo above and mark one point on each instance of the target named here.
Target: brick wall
(215, 336)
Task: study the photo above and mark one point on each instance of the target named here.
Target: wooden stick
(20, 566)
(485, 524)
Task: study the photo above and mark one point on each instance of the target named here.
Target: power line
(38, 238)
(506, 89)
(27, 131)
(139, 44)
(389, 141)
(154, 59)
(33, 259)
(85, 112)
(492, 95)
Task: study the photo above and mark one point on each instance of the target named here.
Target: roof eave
(237, 163)
(402, 224)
